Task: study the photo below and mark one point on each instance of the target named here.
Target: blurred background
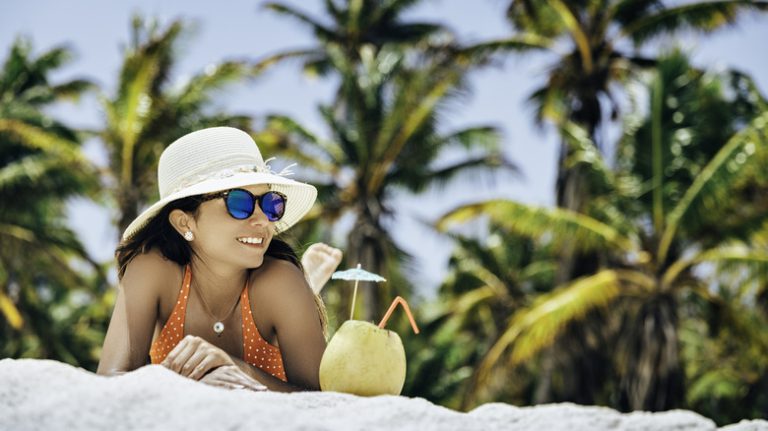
(571, 194)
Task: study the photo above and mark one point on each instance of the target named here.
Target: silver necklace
(218, 326)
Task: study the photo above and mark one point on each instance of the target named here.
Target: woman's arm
(126, 345)
(296, 320)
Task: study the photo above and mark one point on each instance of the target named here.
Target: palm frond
(72, 90)
(584, 152)
(460, 307)
(487, 137)
(419, 111)
(300, 144)
(520, 42)
(535, 17)
(558, 225)
(130, 111)
(744, 155)
(11, 313)
(51, 59)
(755, 260)
(27, 169)
(576, 32)
(308, 54)
(538, 326)
(626, 11)
(199, 89)
(701, 16)
(16, 232)
(321, 31)
(40, 139)
(441, 176)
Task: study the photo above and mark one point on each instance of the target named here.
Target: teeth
(251, 240)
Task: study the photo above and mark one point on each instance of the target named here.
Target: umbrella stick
(354, 296)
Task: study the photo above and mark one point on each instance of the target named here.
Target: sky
(238, 29)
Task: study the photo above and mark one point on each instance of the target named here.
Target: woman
(206, 289)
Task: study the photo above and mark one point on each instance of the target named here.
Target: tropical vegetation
(49, 286)
(643, 288)
(683, 198)
(395, 79)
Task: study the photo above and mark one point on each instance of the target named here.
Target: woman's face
(221, 237)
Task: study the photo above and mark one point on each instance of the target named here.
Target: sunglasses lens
(240, 204)
(273, 205)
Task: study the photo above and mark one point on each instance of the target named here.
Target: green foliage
(44, 286)
(486, 279)
(149, 111)
(670, 309)
(651, 278)
(395, 81)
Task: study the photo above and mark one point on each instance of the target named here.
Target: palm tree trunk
(654, 377)
(364, 248)
(128, 208)
(543, 392)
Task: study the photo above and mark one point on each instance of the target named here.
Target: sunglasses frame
(256, 202)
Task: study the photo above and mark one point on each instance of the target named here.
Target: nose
(258, 218)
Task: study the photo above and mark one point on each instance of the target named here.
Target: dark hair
(158, 233)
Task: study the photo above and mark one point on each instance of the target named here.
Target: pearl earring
(189, 236)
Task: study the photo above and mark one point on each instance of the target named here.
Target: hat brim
(299, 197)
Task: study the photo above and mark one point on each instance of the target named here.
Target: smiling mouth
(249, 240)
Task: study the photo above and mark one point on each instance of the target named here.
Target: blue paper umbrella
(358, 274)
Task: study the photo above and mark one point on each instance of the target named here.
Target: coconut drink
(365, 359)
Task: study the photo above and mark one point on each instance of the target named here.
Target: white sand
(48, 395)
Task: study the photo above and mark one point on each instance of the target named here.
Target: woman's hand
(193, 357)
(232, 377)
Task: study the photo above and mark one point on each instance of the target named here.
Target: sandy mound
(38, 394)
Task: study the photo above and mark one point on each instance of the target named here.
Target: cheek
(214, 231)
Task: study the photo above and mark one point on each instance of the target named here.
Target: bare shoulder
(281, 282)
(150, 273)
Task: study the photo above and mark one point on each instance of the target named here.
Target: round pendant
(218, 328)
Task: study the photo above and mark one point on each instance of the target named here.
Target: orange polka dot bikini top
(256, 350)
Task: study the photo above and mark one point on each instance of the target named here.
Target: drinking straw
(404, 303)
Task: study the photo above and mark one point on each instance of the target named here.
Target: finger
(175, 351)
(215, 382)
(193, 364)
(239, 378)
(181, 353)
(177, 356)
(203, 367)
(218, 381)
(243, 384)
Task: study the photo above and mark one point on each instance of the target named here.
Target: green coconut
(365, 359)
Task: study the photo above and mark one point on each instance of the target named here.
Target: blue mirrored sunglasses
(241, 203)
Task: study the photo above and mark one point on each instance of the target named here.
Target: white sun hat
(217, 159)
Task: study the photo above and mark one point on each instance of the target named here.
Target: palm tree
(395, 77)
(354, 24)
(384, 136)
(487, 280)
(727, 371)
(596, 46)
(664, 213)
(596, 36)
(41, 166)
(148, 112)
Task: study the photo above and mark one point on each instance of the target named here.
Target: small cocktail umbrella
(356, 274)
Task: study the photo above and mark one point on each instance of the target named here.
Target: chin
(256, 263)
